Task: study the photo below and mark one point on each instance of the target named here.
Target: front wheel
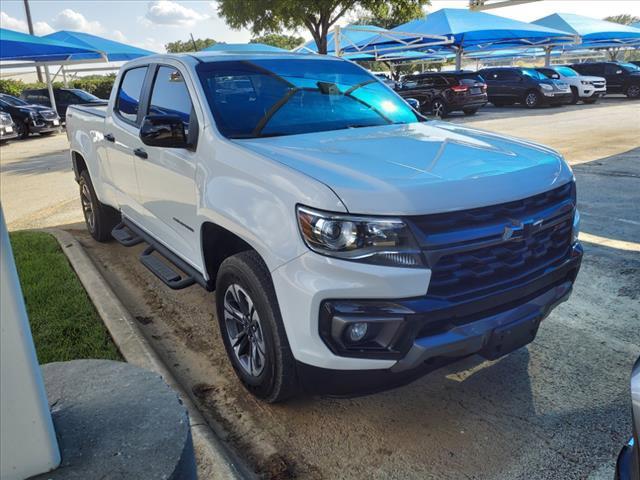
(98, 217)
(252, 329)
(438, 108)
(633, 91)
(469, 111)
(23, 130)
(532, 100)
(574, 96)
(590, 100)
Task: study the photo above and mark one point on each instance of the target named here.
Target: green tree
(389, 15)
(180, 46)
(317, 16)
(288, 42)
(624, 19)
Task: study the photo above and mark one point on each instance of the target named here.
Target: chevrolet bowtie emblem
(522, 229)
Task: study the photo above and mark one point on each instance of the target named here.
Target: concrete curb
(136, 350)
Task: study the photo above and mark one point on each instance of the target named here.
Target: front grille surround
(479, 251)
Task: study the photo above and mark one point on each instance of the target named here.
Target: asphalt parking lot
(556, 409)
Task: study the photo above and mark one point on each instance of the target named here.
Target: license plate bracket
(511, 337)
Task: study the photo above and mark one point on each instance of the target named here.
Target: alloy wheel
(633, 91)
(438, 109)
(244, 330)
(532, 99)
(87, 207)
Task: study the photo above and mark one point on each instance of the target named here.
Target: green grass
(64, 322)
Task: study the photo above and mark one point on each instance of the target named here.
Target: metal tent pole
(547, 56)
(50, 88)
(459, 59)
(337, 41)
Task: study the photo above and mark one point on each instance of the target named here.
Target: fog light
(357, 331)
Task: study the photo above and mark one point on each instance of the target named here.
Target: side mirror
(413, 103)
(555, 76)
(619, 72)
(163, 131)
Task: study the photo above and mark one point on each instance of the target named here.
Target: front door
(166, 177)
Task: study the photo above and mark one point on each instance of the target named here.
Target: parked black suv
(507, 86)
(63, 96)
(440, 93)
(621, 77)
(30, 118)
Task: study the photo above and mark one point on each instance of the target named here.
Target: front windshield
(272, 97)
(86, 96)
(566, 71)
(631, 67)
(13, 101)
(534, 74)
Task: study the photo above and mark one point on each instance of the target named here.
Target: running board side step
(164, 272)
(162, 262)
(124, 235)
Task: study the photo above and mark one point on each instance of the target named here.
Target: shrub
(98, 85)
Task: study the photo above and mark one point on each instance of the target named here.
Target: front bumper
(556, 98)
(628, 464)
(434, 335)
(8, 135)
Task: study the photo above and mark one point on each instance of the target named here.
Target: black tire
(575, 97)
(244, 279)
(22, 129)
(439, 108)
(47, 134)
(532, 99)
(469, 111)
(590, 100)
(633, 91)
(98, 217)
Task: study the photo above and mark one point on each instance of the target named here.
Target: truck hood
(589, 78)
(418, 168)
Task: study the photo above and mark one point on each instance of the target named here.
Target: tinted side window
(510, 76)
(170, 95)
(129, 93)
(610, 69)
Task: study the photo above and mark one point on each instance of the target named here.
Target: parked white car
(583, 87)
(352, 244)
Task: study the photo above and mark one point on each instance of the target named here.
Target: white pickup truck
(352, 245)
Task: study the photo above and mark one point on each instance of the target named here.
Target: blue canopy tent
(24, 47)
(243, 47)
(594, 33)
(345, 37)
(473, 31)
(29, 48)
(113, 51)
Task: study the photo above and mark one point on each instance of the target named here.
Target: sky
(152, 24)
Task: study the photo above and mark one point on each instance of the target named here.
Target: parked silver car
(628, 466)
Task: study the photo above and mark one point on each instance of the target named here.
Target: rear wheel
(438, 108)
(532, 99)
(22, 129)
(469, 111)
(633, 91)
(98, 217)
(574, 96)
(252, 328)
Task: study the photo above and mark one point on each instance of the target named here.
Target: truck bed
(97, 109)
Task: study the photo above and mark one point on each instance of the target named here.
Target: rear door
(166, 177)
(121, 138)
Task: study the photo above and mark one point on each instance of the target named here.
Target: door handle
(109, 137)
(139, 152)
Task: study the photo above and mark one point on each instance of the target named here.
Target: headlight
(575, 232)
(380, 241)
(585, 82)
(546, 86)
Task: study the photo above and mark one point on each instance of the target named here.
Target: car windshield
(566, 71)
(13, 101)
(631, 67)
(470, 78)
(534, 74)
(273, 97)
(86, 96)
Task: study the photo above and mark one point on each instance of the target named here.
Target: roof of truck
(213, 56)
